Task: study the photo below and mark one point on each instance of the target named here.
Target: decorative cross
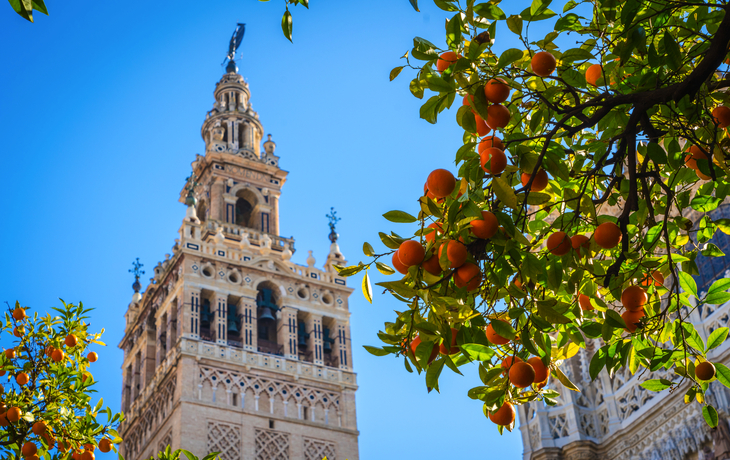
(137, 273)
(332, 216)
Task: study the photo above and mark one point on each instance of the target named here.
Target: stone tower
(232, 347)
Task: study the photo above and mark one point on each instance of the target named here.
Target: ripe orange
(495, 338)
(90, 447)
(468, 275)
(71, 340)
(497, 116)
(695, 153)
(705, 371)
(411, 253)
(655, 278)
(13, 414)
(39, 427)
(607, 235)
(49, 350)
(4, 419)
(559, 243)
(508, 362)
(87, 455)
(490, 141)
(720, 115)
(543, 63)
(28, 449)
(455, 252)
(92, 357)
(539, 183)
(593, 73)
(496, 158)
(496, 90)
(631, 318)
(10, 353)
(19, 314)
(505, 415)
(453, 348)
(22, 378)
(432, 266)
(58, 355)
(634, 298)
(517, 281)
(105, 445)
(702, 175)
(585, 302)
(414, 344)
(438, 228)
(18, 331)
(469, 101)
(446, 60)
(441, 183)
(521, 375)
(541, 371)
(580, 241)
(486, 227)
(482, 127)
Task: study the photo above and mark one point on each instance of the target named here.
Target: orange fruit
(543, 63)
(453, 348)
(10, 353)
(105, 445)
(705, 371)
(496, 158)
(468, 101)
(28, 449)
(634, 298)
(490, 141)
(607, 235)
(695, 153)
(495, 338)
(522, 375)
(721, 116)
(541, 371)
(432, 266)
(414, 344)
(469, 275)
(49, 350)
(580, 241)
(411, 253)
(702, 175)
(497, 116)
(438, 228)
(446, 60)
(22, 378)
(441, 183)
(92, 357)
(539, 183)
(87, 455)
(50, 441)
(18, 331)
(496, 90)
(631, 318)
(508, 362)
(585, 303)
(58, 355)
(71, 340)
(593, 73)
(655, 278)
(4, 419)
(13, 414)
(39, 427)
(19, 314)
(559, 243)
(455, 252)
(90, 447)
(505, 415)
(482, 127)
(517, 281)
(486, 227)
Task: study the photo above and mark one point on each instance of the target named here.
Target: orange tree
(567, 220)
(46, 406)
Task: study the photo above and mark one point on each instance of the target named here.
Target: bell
(327, 347)
(266, 315)
(232, 327)
(302, 343)
(327, 341)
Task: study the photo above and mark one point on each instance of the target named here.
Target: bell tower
(232, 347)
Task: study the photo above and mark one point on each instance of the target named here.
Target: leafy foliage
(622, 129)
(25, 8)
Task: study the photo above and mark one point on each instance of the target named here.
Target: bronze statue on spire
(233, 46)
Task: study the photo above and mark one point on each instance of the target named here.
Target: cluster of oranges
(14, 415)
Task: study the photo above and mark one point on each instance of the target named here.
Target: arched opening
(246, 209)
(268, 303)
(206, 319)
(234, 323)
(202, 211)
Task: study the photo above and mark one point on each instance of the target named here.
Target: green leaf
(375, 350)
(429, 110)
(564, 379)
(367, 249)
(39, 6)
(688, 283)
(722, 284)
(504, 329)
(384, 269)
(573, 78)
(717, 337)
(597, 363)
(399, 217)
(395, 72)
(704, 203)
(367, 290)
(504, 192)
(538, 6)
(570, 21)
(717, 298)
(348, 271)
(656, 384)
(433, 373)
(569, 6)
(614, 319)
(514, 23)
(723, 374)
(723, 225)
(477, 352)
(672, 51)
(453, 32)
(489, 11)
(414, 4)
(710, 415)
(576, 54)
(286, 25)
(508, 57)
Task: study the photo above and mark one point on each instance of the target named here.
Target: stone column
(286, 332)
(314, 325)
(229, 202)
(217, 189)
(249, 333)
(342, 344)
(161, 340)
(149, 352)
(221, 314)
(172, 325)
(274, 198)
(191, 313)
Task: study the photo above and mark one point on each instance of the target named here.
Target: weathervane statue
(233, 46)
(332, 216)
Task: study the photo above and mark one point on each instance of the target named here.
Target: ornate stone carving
(224, 438)
(316, 449)
(271, 445)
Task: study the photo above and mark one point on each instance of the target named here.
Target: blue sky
(102, 104)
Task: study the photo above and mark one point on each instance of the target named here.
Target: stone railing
(255, 237)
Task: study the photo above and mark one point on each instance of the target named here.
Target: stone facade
(232, 347)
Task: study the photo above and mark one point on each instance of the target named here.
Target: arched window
(202, 211)
(206, 319)
(246, 209)
(267, 301)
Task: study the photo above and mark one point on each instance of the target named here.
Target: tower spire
(233, 46)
